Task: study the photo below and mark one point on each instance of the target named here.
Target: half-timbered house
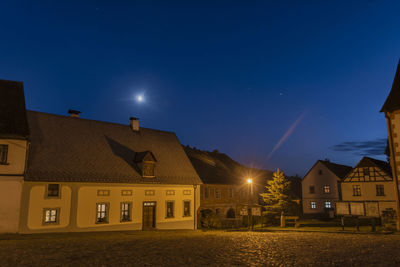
(370, 181)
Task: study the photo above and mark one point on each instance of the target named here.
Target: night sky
(277, 84)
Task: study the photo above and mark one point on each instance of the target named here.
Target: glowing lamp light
(249, 181)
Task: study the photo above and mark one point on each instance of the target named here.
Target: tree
(277, 196)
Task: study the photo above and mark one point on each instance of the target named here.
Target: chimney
(134, 124)
(73, 113)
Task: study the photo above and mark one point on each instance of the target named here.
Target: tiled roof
(13, 123)
(218, 168)
(338, 169)
(371, 162)
(80, 150)
(393, 100)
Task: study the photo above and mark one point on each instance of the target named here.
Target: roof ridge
(97, 121)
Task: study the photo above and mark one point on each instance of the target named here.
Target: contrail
(287, 134)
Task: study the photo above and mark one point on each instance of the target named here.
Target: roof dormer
(147, 163)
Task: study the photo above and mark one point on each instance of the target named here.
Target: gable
(367, 174)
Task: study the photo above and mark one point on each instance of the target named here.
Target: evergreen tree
(277, 196)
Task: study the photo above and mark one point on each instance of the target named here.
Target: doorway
(149, 215)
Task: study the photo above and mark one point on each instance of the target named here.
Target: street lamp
(250, 203)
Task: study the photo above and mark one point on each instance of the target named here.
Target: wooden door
(149, 215)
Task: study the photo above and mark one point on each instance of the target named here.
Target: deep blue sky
(226, 75)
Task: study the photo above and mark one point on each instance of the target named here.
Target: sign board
(256, 211)
(372, 209)
(357, 208)
(342, 208)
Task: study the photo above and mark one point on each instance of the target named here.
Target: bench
(290, 219)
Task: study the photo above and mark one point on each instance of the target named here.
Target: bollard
(283, 220)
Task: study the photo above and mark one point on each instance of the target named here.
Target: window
(187, 192)
(312, 189)
(170, 209)
(217, 193)
(126, 192)
(320, 172)
(148, 169)
(313, 205)
(380, 190)
(206, 192)
(103, 193)
(149, 192)
(327, 204)
(53, 190)
(3, 154)
(51, 216)
(366, 171)
(126, 212)
(327, 189)
(170, 192)
(356, 190)
(230, 192)
(102, 212)
(186, 208)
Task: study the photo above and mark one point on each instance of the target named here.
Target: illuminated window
(102, 212)
(327, 204)
(186, 208)
(148, 169)
(51, 216)
(170, 192)
(380, 190)
(170, 209)
(217, 193)
(366, 171)
(53, 190)
(206, 192)
(230, 192)
(126, 192)
(313, 205)
(356, 190)
(103, 193)
(3, 154)
(126, 212)
(312, 189)
(327, 189)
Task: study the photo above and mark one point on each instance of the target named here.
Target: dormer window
(147, 163)
(3, 154)
(148, 169)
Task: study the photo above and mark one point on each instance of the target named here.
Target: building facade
(391, 109)
(65, 173)
(321, 188)
(370, 182)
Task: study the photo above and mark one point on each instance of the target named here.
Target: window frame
(190, 208)
(366, 171)
(330, 204)
(57, 216)
(145, 164)
(313, 205)
(166, 209)
(313, 189)
(356, 190)
(46, 195)
(381, 192)
(215, 193)
(129, 203)
(107, 212)
(327, 186)
(4, 154)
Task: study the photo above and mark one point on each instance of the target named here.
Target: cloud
(375, 147)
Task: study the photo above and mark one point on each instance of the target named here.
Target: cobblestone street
(174, 248)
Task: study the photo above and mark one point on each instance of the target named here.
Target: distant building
(391, 108)
(321, 188)
(225, 191)
(370, 181)
(66, 174)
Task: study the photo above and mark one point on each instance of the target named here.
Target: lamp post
(250, 203)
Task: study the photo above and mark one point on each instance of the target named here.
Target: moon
(139, 98)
